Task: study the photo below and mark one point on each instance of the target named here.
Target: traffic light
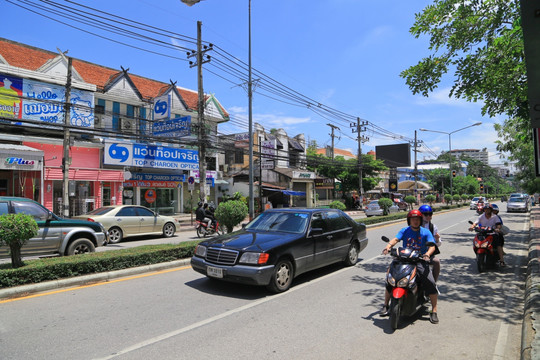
(454, 172)
(481, 187)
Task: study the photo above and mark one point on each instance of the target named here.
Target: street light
(450, 146)
(250, 109)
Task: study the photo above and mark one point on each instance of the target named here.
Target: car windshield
(475, 199)
(516, 199)
(293, 222)
(101, 211)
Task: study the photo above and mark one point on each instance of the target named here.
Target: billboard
(398, 155)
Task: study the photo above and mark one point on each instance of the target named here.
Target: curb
(24, 290)
(530, 337)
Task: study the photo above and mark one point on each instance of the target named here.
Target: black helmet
(200, 203)
(205, 205)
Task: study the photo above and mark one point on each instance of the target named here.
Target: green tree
(15, 231)
(481, 42)
(385, 204)
(430, 199)
(231, 213)
(336, 204)
(409, 199)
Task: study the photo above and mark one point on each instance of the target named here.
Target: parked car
(279, 245)
(373, 209)
(519, 204)
(56, 235)
(122, 221)
(401, 204)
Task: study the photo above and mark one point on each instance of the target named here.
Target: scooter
(203, 229)
(486, 254)
(407, 295)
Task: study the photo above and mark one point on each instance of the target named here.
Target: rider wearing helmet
(209, 215)
(199, 213)
(492, 220)
(416, 237)
(427, 213)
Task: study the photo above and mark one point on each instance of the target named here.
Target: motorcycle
(203, 229)
(486, 254)
(480, 208)
(407, 295)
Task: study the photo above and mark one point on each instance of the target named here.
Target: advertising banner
(177, 127)
(162, 107)
(268, 150)
(150, 156)
(10, 96)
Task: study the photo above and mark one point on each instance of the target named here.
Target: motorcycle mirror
(470, 222)
(385, 239)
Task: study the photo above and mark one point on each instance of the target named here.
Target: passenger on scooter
(489, 219)
(209, 216)
(418, 238)
(427, 214)
(199, 213)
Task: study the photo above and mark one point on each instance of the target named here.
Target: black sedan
(281, 244)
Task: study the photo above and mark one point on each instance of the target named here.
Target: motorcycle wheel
(201, 232)
(395, 312)
(481, 262)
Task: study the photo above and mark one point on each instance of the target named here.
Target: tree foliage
(231, 213)
(15, 231)
(481, 43)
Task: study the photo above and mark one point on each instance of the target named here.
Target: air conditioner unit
(98, 122)
(127, 125)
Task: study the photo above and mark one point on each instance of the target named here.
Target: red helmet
(413, 214)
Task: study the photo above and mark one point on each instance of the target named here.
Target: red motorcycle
(480, 208)
(203, 230)
(486, 254)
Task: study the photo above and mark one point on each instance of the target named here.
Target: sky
(345, 55)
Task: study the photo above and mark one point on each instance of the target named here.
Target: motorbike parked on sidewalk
(203, 229)
(486, 255)
(407, 295)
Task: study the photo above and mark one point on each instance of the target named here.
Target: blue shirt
(416, 240)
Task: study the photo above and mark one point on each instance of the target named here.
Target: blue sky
(344, 54)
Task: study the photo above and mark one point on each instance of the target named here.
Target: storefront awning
(286, 192)
(85, 174)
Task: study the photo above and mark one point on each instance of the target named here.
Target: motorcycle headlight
(200, 251)
(391, 281)
(485, 244)
(404, 282)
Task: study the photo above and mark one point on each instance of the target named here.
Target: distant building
(337, 152)
(480, 155)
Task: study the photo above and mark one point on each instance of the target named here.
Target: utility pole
(333, 179)
(360, 139)
(200, 109)
(66, 160)
(417, 144)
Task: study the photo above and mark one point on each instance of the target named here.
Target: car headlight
(200, 251)
(391, 281)
(404, 282)
(254, 258)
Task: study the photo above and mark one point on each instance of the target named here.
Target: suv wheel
(80, 246)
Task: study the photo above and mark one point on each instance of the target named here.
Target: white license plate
(214, 272)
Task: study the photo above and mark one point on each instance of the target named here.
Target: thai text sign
(177, 127)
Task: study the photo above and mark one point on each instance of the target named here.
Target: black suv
(56, 235)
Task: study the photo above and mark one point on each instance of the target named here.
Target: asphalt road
(327, 314)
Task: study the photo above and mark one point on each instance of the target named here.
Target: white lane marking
(500, 346)
(173, 333)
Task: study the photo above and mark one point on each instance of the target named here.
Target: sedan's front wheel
(282, 277)
(169, 230)
(115, 235)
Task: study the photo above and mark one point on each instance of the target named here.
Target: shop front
(89, 186)
(155, 174)
(21, 171)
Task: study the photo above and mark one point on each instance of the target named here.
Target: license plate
(214, 272)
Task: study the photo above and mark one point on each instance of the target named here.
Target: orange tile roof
(32, 58)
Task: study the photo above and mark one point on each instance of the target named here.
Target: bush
(385, 204)
(15, 231)
(431, 199)
(336, 204)
(409, 199)
(456, 198)
(231, 213)
(448, 199)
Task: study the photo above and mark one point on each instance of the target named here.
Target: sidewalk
(530, 334)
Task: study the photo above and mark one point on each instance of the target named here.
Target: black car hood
(252, 241)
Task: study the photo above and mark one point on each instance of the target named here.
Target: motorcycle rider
(489, 219)
(427, 214)
(199, 213)
(209, 216)
(414, 236)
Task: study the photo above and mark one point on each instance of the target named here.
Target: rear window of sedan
(517, 199)
(101, 211)
(276, 221)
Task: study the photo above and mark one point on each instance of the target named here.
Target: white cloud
(440, 97)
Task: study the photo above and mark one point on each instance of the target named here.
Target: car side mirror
(316, 231)
(50, 215)
(244, 226)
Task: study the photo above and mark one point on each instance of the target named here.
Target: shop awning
(85, 174)
(286, 192)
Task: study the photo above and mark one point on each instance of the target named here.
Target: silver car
(373, 209)
(517, 204)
